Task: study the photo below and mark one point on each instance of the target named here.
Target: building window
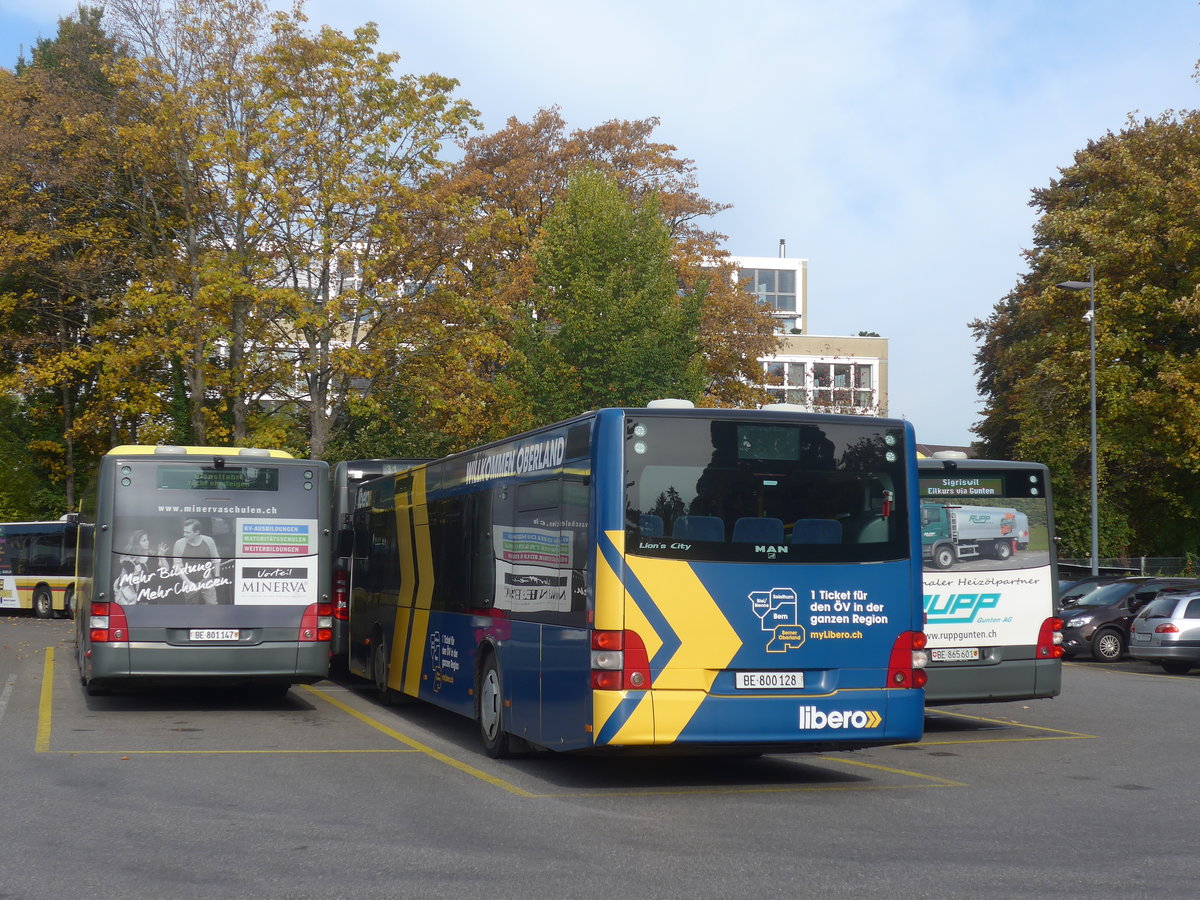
(786, 381)
(775, 288)
(847, 387)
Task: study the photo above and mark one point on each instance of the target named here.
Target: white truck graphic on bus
(952, 533)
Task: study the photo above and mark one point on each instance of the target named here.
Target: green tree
(499, 196)
(1127, 206)
(608, 326)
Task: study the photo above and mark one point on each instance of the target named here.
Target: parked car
(1098, 622)
(1071, 592)
(1167, 632)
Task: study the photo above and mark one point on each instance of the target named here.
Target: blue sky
(892, 143)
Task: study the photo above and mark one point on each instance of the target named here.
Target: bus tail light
(906, 668)
(619, 661)
(107, 623)
(1049, 642)
(341, 595)
(317, 623)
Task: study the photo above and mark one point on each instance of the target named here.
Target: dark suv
(1098, 623)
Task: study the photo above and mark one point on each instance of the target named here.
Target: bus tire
(69, 603)
(489, 709)
(943, 557)
(43, 603)
(1002, 550)
(381, 664)
(1107, 645)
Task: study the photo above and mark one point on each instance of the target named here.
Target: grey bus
(344, 479)
(204, 565)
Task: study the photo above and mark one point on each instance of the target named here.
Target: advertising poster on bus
(253, 545)
(988, 572)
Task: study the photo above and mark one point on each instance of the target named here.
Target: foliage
(65, 239)
(607, 325)
(237, 229)
(1128, 205)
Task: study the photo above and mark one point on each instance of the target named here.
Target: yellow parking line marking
(417, 745)
(508, 786)
(45, 708)
(1053, 734)
(939, 782)
(45, 704)
(282, 751)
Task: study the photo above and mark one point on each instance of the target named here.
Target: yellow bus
(37, 567)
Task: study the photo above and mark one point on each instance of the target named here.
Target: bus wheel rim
(489, 703)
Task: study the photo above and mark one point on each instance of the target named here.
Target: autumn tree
(66, 243)
(1129, 205)
(293, 220)
(504, 188)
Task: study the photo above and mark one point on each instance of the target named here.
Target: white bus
(989, 615)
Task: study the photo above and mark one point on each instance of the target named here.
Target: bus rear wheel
(43, 604)
(489, 710)
(380, 666)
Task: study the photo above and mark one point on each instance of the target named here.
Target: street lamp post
(1090, 287)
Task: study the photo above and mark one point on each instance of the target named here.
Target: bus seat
(817, 531)
(758, 530)
(650, 525)
(699, 528)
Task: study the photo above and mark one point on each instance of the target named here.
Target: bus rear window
(217, 478)
(732, 491)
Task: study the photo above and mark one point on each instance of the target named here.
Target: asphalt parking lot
(328, 794)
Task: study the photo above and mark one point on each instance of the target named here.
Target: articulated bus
(987, 536)
(37, 567)
(344, 479)
(204, 565)
(655, 578)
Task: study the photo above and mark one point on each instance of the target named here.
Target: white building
(823, 373)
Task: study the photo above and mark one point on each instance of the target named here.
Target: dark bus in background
(990, 576)
(344, 479)
(37, 567)
(207, 565)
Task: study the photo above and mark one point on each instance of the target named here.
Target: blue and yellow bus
(662, 577)
(987, 534)
(206, 565)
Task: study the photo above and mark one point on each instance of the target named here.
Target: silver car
(1167, 632)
